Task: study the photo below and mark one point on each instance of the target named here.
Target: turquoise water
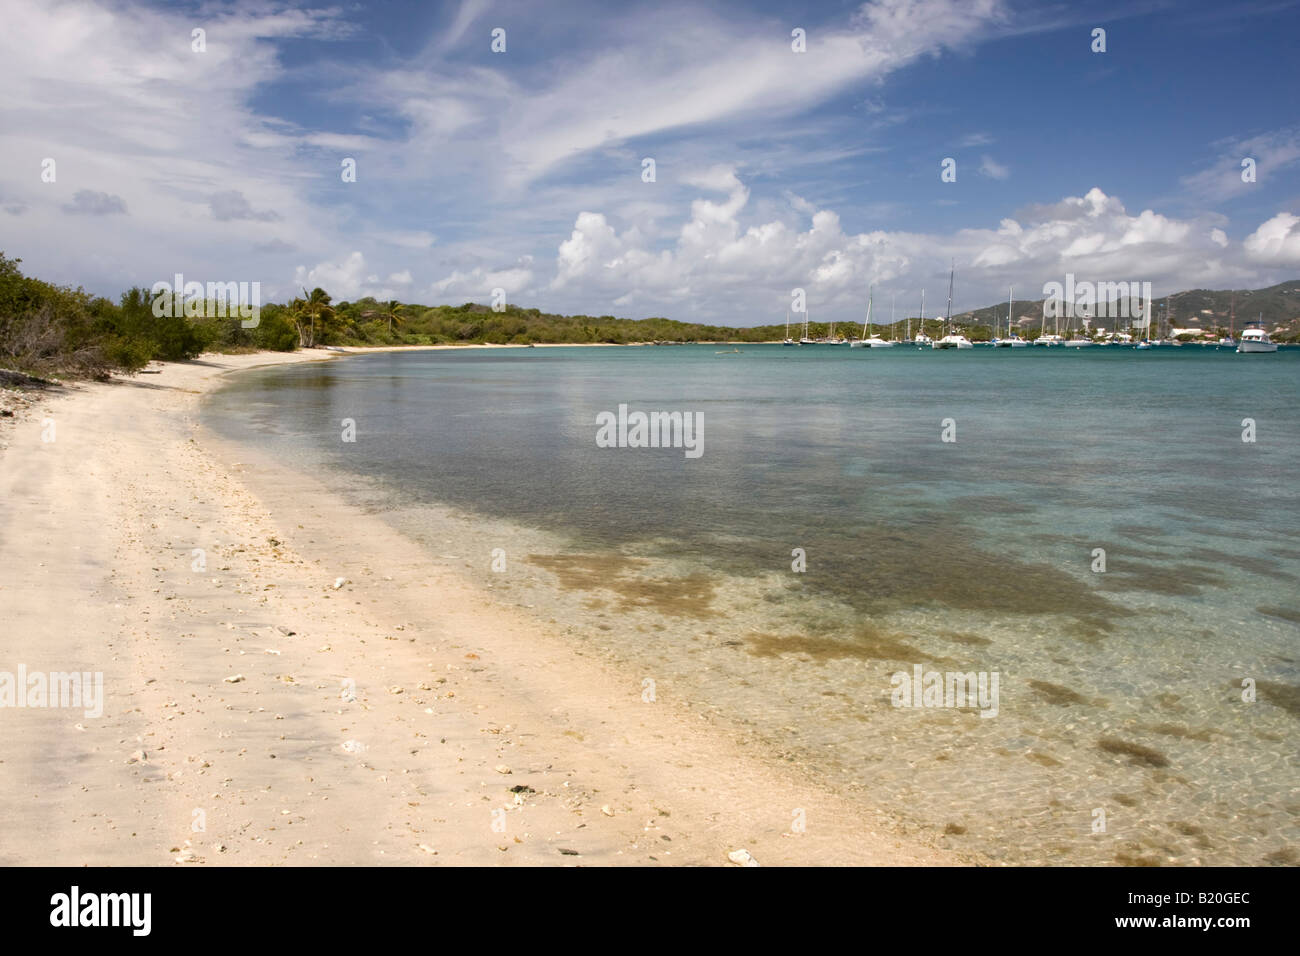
(1120, 690)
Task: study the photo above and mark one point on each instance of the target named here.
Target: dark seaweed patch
(688, 596)
(1283, 613)
(1056, 694)
(1181, 732)
(1181, 580)
(1135, 752)
(1286, 696)
(971, 640)
(867, 644)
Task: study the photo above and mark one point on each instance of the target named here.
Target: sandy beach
(256, 714)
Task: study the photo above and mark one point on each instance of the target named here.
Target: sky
(222, 155)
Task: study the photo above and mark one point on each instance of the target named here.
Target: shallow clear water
(1119, 691)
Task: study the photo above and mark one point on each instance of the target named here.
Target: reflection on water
(1122, 690)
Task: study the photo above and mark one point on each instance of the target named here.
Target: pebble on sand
(233, 678)
(339, 582)
(741, 857)
(502, 768)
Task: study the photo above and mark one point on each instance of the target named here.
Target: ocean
(1102, 541)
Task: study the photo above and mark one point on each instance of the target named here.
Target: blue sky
(522, 170)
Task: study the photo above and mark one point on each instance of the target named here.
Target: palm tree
(297, 312)
(315, 307)
(392, 311)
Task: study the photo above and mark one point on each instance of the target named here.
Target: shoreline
(389, 726)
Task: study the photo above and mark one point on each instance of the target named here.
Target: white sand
(97, 530)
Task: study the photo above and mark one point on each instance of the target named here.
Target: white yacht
(954, 341)
(1256, 340)
(788, 340)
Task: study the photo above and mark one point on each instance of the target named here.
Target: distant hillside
(1277, 306)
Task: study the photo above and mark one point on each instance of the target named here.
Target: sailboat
(804, 340)
(1054, 337)
(873, 341)
(951, 341)
(922, 339)
(1012, 340)
(788, 340)
(1229, 342)
(1079, 339)
(862, 343)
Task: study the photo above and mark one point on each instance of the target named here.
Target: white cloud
(479, 283)
(724, 269)
(468, 12)
(1276, 241)
(143, 125)
(232, 204)
(714, 69)
(87, 202)
(1274, 153)
(413, 239)
(350, 278)
(993, 169)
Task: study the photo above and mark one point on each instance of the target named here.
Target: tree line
(49, 330)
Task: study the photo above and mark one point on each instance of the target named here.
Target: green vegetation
(48, 330)
(368, 322)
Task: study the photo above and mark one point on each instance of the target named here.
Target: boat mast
(867, 324)
(947, 321)
(892, 332)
